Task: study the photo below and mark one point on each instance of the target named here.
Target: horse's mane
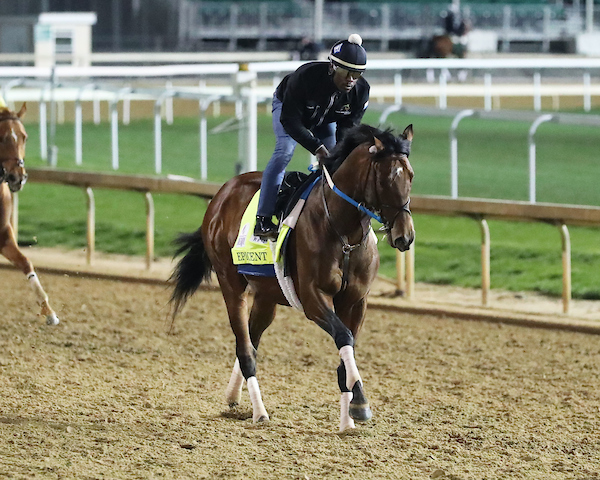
(360, 134)
(7, 114)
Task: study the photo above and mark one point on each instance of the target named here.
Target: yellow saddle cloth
(251, 250)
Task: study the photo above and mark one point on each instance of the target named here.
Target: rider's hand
(321, 153)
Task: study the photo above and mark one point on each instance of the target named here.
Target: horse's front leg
(353, 404)
(9, 248)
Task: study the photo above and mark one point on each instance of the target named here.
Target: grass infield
(493, 163)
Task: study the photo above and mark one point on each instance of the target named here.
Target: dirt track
(109, 394)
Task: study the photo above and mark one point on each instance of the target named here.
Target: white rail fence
(479, 209)
(240, 83)
(458, 115)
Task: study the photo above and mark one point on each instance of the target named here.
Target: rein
(350, 200)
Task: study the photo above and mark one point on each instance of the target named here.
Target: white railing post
(485, 261)
(386, 113)
(158, 132)
(91, 225)
(14, 217)
(587, 92)
(79, 124)
(114, 132)
(443, 93)
(149, 230)
(454, 151)
(537, 91)
(44, 124)
(398, 89)
(169, 104)
(487, 101)
(252, 128)
(566, 266)
(532, 160)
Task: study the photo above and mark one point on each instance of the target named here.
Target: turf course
(492, 164)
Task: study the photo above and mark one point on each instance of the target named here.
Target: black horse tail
(194, 268)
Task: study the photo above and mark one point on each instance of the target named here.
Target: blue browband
(350, 200)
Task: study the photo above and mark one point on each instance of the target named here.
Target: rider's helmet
(349, 54)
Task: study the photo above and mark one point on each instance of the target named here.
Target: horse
(332, 257)
(12, 178)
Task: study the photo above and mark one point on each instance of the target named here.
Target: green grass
(493, 163)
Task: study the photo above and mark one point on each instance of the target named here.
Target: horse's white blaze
(233, 393)
(14, 135)
(352, 375)
(258, 408)
(37, 288)
(346, 421)
(396, 172)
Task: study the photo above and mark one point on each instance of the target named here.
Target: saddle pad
(253, 255)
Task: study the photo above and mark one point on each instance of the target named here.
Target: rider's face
(345, 80)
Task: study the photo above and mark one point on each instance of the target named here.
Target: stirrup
(265, 229)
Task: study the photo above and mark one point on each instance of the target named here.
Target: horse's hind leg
(261, 316)
(9, 248)
(234, 293)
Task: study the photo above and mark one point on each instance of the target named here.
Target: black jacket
(310, 98)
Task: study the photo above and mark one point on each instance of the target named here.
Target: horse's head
(389, 192)
(12, 148)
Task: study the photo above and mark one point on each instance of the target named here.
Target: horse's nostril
(403, 242)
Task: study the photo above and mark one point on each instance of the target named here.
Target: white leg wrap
(352, 375)
(259, 414)
(233, 393)
(33, 280)
(346, 422)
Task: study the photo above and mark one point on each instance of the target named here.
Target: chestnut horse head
(12, 148)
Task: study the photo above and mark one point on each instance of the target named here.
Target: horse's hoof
(52, 319)
(360, 413)
(262, 419)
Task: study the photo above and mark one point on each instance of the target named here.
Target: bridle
(348, 248)
(371, 212)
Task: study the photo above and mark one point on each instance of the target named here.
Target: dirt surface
(110, 394)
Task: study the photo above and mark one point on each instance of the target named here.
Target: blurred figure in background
(456, 27)
(307, 49)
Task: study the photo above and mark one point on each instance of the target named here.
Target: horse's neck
(351, 178)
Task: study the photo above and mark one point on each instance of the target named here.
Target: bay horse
(332, 257)
(12, 178)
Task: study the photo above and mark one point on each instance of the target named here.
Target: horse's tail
(194, 268)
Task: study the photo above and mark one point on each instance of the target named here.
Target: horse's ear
(408, 133)
(377, 146)
(23, 110)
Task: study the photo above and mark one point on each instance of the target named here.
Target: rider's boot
(265, 229)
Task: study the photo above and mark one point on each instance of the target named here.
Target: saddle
(254, 256)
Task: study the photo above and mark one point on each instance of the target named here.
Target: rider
(456, 27)
(307, 106)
